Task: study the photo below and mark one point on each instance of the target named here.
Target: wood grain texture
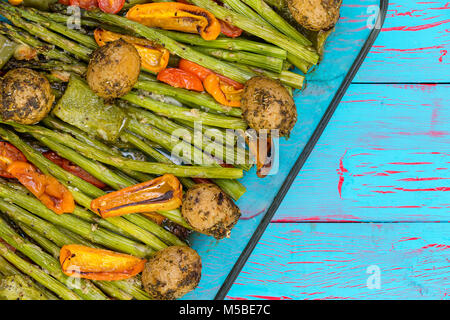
(385, 156)
(341, 261)
(413, 46)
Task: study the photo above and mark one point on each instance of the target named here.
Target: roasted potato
(267, 105)
(114, 69)
(209, 210)
(26, 96)
(315, 14)
(172, 272)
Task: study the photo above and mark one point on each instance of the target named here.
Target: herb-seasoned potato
(172, 272)
(209, 210)
(315, 14)
(114, 69)
(267, 105)
(26, 96)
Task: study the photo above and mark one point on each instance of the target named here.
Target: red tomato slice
(111, 6)
(230, 30)
(84, 4)
(65, 2)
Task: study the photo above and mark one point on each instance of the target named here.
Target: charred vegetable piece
(229, 30)
(114, 69)
(177, 16)
(82, 108)
(267, 105)
(154, 57)
(178, 78)
(98, 264)
(209, 210)
(172, 272)
(222, 92)
(26, 96)
(263, 150)
(162, 193)
(315, 14)
(46, 188)
(9, 154)
(73, 169)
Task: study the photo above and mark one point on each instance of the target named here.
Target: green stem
(72, 223)
(45, 34)
(236, 44)
(269, 15)
(259, 30)
(173, 46)
(37, 274)
(6, 269)
(183, 113)
(62, 18)
(186, 96)
(251, 59)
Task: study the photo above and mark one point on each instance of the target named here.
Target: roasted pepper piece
(46, 188)
(98, 264)
(177, 16)
(73, 169)
(229, 30)
(153, 56)
(9, 154)
(264, 156)
(180, 79)
(223, 92)
(162, 193)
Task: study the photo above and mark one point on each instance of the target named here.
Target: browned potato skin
(172, 272)
(209, 210)
(266, 104)
(26, 96)
(114, 69)
(315, 15)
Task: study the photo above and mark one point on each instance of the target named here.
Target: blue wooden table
(368, 216)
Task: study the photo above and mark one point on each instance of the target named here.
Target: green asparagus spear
(37, 274)
(19, 287)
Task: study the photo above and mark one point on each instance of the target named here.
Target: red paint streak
(443, 53)
(379, 191)
(430, 133)
(393, 172)
(417, 28)
(236, 298)
(435, 245)
(341, 172)
(390, 207)
(422, 179)
(410, 163)
(381, 174)
(271, 298)
(254, 215)
(427, 189)
(409, 239)
(305, 262)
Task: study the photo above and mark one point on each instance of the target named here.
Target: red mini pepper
(180, 79)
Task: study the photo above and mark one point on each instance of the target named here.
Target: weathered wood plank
(341, 261)
(413, 45)
(385, 156)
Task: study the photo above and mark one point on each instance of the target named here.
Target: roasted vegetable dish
(115, 122)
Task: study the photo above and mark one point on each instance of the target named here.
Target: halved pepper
(180, 79)
(222, 91)
(46, 188)
(98, 264)
(264, 156)
(9, 154)
(162, 193)
(154, 57)
(177, 16)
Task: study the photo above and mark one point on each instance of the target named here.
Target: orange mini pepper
(180, 79)
(264, 156)
(162, 193)
(98, 264)
(9, 154)
(154, 57)
(177, 16)
(46, 188)
(222, 91)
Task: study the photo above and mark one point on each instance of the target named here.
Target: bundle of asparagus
(92, 134)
